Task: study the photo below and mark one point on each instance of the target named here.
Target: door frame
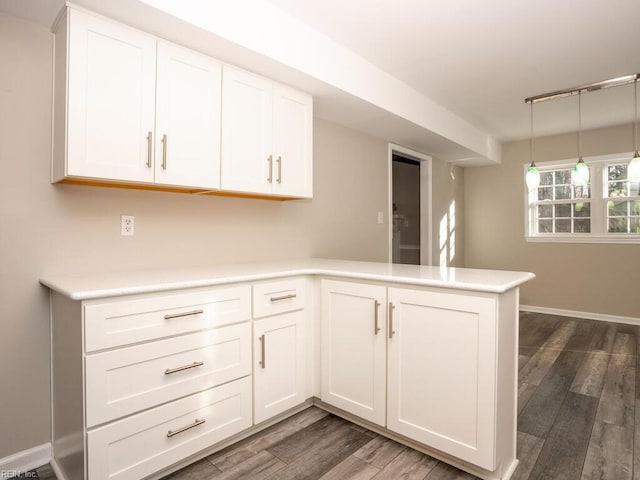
(426, 227)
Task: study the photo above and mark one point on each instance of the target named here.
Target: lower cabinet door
(353, 348)
(145, 443)
(441, 378)
(279, 364)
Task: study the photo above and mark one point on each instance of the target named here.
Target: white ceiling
(481, 59)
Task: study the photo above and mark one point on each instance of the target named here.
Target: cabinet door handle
(263, 341)
(391, 330)
(149, 148)
(279, 160)
(164, 151)
(196, 423)
(283, 297)
(183, 314)
(376, 328)
(169, 371)
(270, 177)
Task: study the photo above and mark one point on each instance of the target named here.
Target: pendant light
(633, 170)
(580, 173)
(533, 174)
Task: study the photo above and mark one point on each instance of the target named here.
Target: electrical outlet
(127, 225)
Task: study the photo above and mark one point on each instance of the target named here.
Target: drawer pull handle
(183, 314)
(196, 423)
(391, 330)
(283, 297)
(279, 161)
(169, 371)
(263, 341)
(376, 306)
(164, 151)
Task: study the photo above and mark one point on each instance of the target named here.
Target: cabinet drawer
(128, 321)
(125, 381)
(272, 298)
(145, 443)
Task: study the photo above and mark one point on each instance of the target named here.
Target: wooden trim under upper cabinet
(168, 188)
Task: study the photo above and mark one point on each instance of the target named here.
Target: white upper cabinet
(292, 142)
(111, 96)
(138, 110)
(247, 124)
(187, 141)
(266, 136)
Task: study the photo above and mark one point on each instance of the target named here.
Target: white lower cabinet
(441, 372)
(353, 348)
(279, 367)
(420, 362)
(138, 446)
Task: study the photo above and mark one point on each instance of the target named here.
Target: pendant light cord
(579, 126)
(531, 138)
(635, 116)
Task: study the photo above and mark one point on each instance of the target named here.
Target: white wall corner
(24, 461)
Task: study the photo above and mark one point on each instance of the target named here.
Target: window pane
(563, 226)
(545, 193)
(618, 209)
(617, 189)
(563, 210)
(545, 226)
(618, 225)
(635, 207)
(581, 191)
(582, 225)
(634, 189)
(634, 225)
(563, 192)
(546, 178)
(563, 177)
(617, 172)
(545, 211)
(582, 209)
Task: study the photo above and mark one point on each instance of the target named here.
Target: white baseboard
(24, 461)
(587, 315)
(56, 469)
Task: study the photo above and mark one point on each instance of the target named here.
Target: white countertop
(110, 284)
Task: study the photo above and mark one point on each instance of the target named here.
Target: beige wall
(594, 278)
(448, 211)
(64, 228)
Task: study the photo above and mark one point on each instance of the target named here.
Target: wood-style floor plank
(562, 456)
(529, 448)
(618, 395)
(408, 465)
(318, 448)
(195, 471)
(247, 448)
(590, 377)
(538, 416)
(351, 468)
(379, 451)
(442, 471)
(261, 466)
(610, 453)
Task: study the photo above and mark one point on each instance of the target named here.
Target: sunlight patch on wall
(447, 236)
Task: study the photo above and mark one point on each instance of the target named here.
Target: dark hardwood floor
(577, 400)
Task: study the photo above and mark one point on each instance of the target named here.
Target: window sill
(614, 239)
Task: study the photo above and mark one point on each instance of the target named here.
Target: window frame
(599, 220)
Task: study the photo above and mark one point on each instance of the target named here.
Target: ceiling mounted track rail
(592, 87)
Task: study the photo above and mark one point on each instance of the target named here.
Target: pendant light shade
(580, 173)
(633, 170)
(533, 174)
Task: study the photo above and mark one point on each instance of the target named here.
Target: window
(606, 210)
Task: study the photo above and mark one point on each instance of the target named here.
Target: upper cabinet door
(111, 100)
(292, 139)
(247, 124)
(187, 118)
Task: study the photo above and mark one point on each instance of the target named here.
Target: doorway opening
(410, 206)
